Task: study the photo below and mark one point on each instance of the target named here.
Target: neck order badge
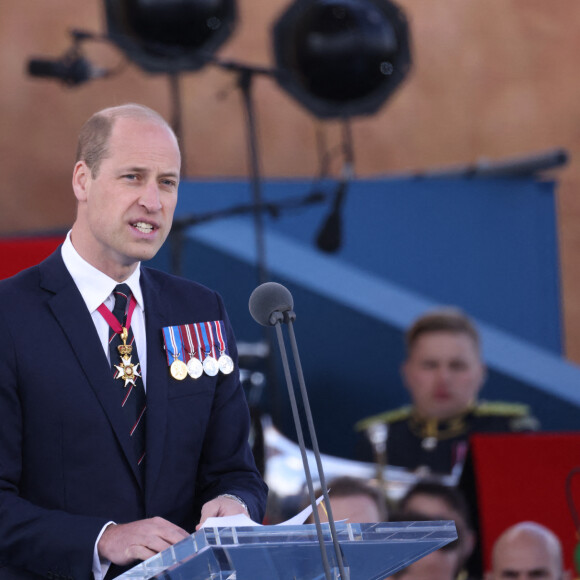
(133, 400)
(126, 371)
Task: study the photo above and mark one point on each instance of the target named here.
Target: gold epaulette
(399, 414)
(501, 409)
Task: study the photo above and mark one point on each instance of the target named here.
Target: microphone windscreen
(268, 298)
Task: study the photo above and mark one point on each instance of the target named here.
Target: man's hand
(124, 543)
(219, 507)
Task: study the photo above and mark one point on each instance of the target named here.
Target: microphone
(71, 71)
(268, 301)
(329, 238)
(271, 304)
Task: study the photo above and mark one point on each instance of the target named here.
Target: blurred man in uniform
(444, 374)
(527, 551)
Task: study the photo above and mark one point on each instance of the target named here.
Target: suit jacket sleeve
(45, 542)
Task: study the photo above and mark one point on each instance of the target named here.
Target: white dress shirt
(97, 288)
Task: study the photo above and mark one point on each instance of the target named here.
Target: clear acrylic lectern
(369, 552)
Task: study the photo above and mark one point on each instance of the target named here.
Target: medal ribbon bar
(200, 351)
(220, 336)
(174, 350)
(194, 365)
(192, 346)
(207, 346)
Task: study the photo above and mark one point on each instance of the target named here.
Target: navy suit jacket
(65, 458)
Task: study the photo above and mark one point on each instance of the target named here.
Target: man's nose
(443, 374)
(150, 198)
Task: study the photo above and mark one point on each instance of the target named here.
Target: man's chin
(143, 252)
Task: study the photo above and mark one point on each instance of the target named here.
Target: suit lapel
(72, 315)
(156, 314)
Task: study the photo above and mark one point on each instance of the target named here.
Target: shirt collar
(95, 286)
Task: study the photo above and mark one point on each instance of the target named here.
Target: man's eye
(458, 366)
(130, 176)
(169, 182)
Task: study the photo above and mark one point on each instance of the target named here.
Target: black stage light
(341, 58)
(170, 35)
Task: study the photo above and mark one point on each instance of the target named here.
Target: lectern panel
(369, 552)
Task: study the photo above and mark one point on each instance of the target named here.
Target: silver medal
(210, 366)
(225, 364)
(194, 368)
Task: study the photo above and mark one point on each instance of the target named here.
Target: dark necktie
(132, 395)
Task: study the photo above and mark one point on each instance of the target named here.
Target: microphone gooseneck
(270, 305)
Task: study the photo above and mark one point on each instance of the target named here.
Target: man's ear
(483, 376)
(403, 369)
(80, 180)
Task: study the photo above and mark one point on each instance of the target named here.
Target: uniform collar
(439, 428)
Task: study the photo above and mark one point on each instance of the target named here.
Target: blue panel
(488, 246)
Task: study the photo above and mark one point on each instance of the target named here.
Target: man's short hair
(419, 517)
(346, 486)
(94, 135)
(451, 496)
(441, 320)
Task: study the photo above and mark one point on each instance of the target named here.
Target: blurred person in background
(353, 500)
(436, 501)
(442, 564)
(444, 374)
(527, 551)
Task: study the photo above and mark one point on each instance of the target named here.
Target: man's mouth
(144, 227)
(441, 394)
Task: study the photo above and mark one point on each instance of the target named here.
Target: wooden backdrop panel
(491, 79)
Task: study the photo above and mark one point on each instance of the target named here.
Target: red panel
(19, 253)
(522, 477)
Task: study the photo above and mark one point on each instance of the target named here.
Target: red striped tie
(133, 398)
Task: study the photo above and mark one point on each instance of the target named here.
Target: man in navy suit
(76, 499)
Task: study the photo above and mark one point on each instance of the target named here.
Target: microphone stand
(288, 317)
(177, 117)
(246, 75)
(329, 237)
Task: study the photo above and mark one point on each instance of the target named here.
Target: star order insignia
(127, 371)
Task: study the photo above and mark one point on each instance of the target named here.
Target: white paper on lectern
(242, 520)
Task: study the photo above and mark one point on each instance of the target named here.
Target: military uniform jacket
(415, 443)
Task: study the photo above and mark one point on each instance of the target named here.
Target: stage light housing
(168, 36)
(341, 58)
